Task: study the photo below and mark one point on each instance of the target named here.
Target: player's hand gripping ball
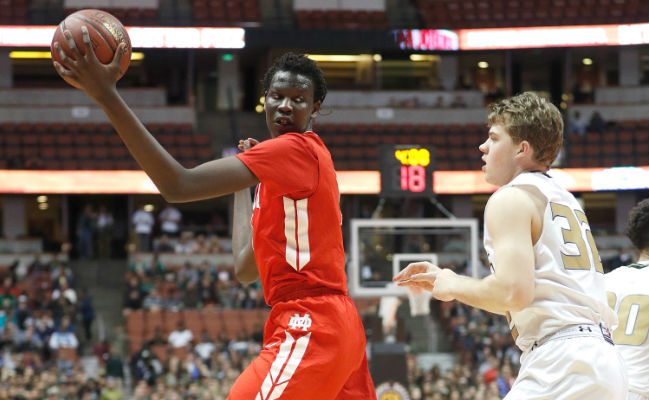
(105, 31)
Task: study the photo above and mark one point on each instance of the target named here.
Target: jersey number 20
(633, 315)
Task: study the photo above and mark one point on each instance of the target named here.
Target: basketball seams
(108, 34)
(99, 30)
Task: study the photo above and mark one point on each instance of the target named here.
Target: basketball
(106, 33)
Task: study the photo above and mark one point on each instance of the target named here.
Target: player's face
(289, 103)
(499, 152)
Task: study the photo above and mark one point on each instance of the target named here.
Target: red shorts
(314, 348)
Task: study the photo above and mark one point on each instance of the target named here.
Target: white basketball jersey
(569, 281)
(628, 294)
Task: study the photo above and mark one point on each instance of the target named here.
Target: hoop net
(419, 301)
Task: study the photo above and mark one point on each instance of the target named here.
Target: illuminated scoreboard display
(406, 171)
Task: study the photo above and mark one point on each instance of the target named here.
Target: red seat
(153, 321)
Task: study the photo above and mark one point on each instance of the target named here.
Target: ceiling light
(340, 57)
(423, 57)
(135, 56)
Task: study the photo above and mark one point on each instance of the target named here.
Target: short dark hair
(299, 64)
(637, 228)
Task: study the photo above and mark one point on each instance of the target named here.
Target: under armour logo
(583, 328)
(300, 322)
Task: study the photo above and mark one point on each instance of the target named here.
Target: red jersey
(296, 221)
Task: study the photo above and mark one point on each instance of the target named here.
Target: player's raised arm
(176, 183)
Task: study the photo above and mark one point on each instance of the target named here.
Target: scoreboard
(406, 170)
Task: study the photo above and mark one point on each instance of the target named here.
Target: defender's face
(289, 103)
(499, 152)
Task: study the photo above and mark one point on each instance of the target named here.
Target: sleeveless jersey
(628, 295)
(297, 236)
(568, 277)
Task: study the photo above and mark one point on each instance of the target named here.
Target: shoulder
(286, 145)
(510, 199)
(511, 207)
(288, 138)
(620, 277)
(627, 270)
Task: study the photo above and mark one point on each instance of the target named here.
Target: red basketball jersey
(296, 219)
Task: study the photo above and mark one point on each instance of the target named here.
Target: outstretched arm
(508, 217)
(245, 266)
(176, 183)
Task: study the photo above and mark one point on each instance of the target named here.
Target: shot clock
(406, 170)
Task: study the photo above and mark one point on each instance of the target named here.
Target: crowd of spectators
(44, 321)
(45, 328)
(206, 370)
(486, 358)
(45, 331)
(152, 285)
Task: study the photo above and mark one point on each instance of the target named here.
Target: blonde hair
(529, 117)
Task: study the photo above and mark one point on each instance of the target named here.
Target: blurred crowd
(45, 336)
(486, 364)
(44, 321)
(152, 285)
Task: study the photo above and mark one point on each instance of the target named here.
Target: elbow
(175, 189)
(519, 298)
(245, 272)
(175, 194)
(245, 278)
(172, 197)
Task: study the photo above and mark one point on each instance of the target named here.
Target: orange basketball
(105, 31)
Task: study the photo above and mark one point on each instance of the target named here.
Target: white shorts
(571, 366)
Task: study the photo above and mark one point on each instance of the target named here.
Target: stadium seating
(141, 325)
(355, 146)
(450, 14)
(225, 13)
(91, 146)
(341, 19)
(145, 16)
(227, 323)
(626, 144)
(14, 12)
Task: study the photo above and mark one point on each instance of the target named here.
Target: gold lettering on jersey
(581, 216)
(612, 299)
(572, 235)
(633, 315)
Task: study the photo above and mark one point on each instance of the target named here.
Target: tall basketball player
(547, 277)
(314, 341)
(628, 295)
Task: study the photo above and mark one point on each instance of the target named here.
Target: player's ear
(316, 109)
(524, 148)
